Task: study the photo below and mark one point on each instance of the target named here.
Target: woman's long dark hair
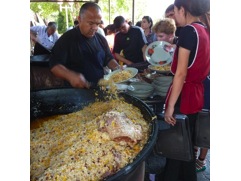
(205, 18)
(149, 20)
(200, 8)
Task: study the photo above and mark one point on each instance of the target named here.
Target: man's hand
(77, 80)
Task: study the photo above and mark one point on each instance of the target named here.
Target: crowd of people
(80, 55)
(126, 42)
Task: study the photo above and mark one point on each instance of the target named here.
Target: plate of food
(160, 69)
(119, 76)
(159, 53)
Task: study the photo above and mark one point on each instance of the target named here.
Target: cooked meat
(120, 128)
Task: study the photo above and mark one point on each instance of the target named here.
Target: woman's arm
(178, 81)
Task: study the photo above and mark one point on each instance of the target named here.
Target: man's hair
(76, 22)
(52, 25)
(88, 5)
(169, 8)
(138, 23)
(110, 27)
(118, 21)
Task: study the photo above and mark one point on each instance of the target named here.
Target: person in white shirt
(44, 37)
(101, 31)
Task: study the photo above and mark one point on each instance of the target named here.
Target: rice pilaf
(121, 76)
(70, 147)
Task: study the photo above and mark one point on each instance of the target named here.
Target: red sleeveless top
(192, 94)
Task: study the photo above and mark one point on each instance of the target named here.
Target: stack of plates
(161, 85)
(121, 87)
(140, 90)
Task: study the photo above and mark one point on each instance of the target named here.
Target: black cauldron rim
(45, 96)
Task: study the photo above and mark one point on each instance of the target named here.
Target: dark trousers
(176, 170)
(40, 50)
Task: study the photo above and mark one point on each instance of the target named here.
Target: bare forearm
(113, 64)
(177, 85)
(62, 72)
(74, 78)
(180, 75)
(143, 52)
(122, 59)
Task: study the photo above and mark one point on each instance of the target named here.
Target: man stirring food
(80, 54)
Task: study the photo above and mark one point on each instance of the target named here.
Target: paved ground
(205, 175)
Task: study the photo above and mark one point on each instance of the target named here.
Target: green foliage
(61, 22)
(46, 10)
(70, 19)
(120, 7)
(123, 8)
(140, 9)
(50, 11)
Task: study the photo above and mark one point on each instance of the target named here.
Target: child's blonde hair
(166, 25)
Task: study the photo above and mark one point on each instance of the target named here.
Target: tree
(70, 19)
(46, 10)
(139, 10)
(50, 10)
(122, 7)
(61, 22)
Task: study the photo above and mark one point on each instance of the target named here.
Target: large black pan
(61, 101)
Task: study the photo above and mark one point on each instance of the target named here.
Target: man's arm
(143, 52)
(75, 79)
(122, 59)
(113, 65)
(33, 33)
(33, 36)
(143, 43)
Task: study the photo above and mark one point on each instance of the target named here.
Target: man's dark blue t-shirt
(80, 54)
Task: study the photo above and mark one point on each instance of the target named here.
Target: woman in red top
(190, 66)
